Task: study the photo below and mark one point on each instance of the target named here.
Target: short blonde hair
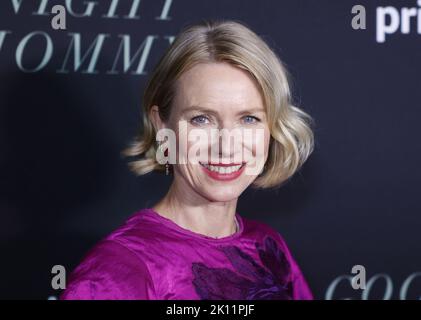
(292, 139)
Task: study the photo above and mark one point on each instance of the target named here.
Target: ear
(156, 119)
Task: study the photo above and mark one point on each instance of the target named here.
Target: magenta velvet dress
(151, 257)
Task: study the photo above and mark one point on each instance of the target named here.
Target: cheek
(257, 145)
(197, 146)
(191, 144)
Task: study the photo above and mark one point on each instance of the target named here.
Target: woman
(217, 76)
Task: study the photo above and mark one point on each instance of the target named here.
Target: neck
(195, 213)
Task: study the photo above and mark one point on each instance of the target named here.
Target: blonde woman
(217, 76)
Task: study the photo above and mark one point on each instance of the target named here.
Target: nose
(229, 145)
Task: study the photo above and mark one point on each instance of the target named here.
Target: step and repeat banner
(72, 75)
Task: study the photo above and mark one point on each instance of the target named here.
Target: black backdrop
(64, 186)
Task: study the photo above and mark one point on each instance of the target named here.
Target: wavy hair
(292, 138)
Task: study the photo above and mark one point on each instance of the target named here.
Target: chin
(222, 194)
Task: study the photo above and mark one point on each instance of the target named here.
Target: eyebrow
(211, 111)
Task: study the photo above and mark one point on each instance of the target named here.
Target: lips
(223, 172)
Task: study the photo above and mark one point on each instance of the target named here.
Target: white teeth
(222, 170)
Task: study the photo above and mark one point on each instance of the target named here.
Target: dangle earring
(167, 169)
(167, 165)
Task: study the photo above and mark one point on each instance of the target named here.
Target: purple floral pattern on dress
(269, 281)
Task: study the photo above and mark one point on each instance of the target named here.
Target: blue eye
(201, 121)
(253, 118)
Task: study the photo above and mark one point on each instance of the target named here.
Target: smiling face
(212, 96)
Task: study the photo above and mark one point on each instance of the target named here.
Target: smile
(224, 171)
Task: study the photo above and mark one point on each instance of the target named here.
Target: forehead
(217, 85)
